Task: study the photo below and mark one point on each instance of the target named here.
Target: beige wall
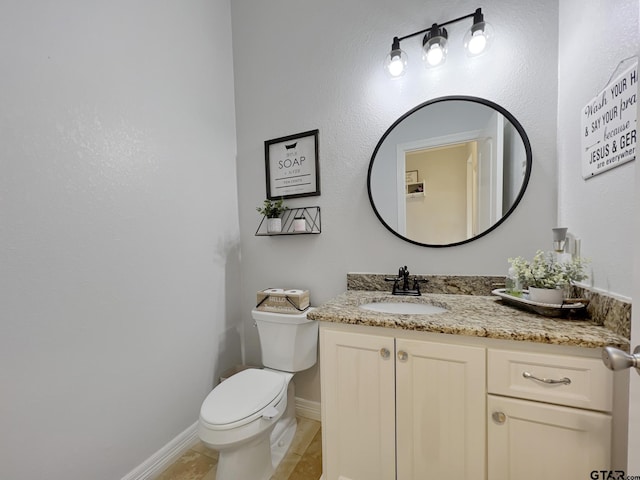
(440, 216)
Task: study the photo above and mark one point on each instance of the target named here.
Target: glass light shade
(559, 238)
(395, 64)
(434, 52)
(478, 39)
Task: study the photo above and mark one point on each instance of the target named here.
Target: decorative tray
(574, 308)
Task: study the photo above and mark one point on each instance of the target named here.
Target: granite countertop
(472, 315)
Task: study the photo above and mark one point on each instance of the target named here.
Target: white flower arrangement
(544, 271)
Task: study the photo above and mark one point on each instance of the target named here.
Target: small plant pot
(552, 296)
(274, 225)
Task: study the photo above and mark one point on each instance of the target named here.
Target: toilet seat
(242, 398)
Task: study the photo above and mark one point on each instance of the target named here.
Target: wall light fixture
(434, 44)
(566, 242)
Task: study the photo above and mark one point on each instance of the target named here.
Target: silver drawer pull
(548, 381)
(385, 353)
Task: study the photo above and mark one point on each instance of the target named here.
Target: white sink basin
(403, 308)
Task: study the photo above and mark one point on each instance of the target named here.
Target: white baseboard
(159, 461)
(308, 409)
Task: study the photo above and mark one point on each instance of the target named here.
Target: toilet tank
(289, 342)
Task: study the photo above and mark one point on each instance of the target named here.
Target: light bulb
(395, 63)
(477, 43)
(434, 52)
(435, 55)
(478, 38)
(434, 46)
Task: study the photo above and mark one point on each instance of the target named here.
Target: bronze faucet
(403, 276)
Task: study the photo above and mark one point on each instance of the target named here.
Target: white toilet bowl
(238, 418)
(250, 417)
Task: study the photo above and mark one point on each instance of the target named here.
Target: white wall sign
(292, 166)
(609, 124)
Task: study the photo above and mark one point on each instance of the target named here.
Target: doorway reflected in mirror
(474, 163)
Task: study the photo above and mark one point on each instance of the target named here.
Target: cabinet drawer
(577, 381)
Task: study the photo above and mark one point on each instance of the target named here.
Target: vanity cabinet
(401, 408)
(409, 405)
(548, 416)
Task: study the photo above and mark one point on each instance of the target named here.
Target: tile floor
(303, 461)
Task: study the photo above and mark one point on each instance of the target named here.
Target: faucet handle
(416, 283)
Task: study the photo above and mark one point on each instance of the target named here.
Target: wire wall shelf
(312, 224)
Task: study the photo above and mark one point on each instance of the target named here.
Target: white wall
(301, 65)
(594, 37)
(605, 209)
(634, 383)
(118, 229)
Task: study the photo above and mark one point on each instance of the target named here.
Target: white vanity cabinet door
(440, 400)
(358, 406)
(532, 441)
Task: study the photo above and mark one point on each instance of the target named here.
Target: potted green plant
(546, 277)
(272, 210)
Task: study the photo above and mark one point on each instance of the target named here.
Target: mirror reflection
(449, 171)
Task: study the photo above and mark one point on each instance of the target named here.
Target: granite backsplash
(607, 311)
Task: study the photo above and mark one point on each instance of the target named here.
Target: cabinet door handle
(403, 356)
(385, 353)
(499, 417)
(548, 381)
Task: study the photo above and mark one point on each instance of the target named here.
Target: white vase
(551, 296)
(274, 225)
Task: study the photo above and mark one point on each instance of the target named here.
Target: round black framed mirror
(449, 171)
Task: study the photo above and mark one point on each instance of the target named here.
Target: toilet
(250, 417)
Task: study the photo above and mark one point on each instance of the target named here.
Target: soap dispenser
(512, 284)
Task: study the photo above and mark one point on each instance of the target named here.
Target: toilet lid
(241, 396)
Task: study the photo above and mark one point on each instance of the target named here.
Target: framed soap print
(292, 166)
